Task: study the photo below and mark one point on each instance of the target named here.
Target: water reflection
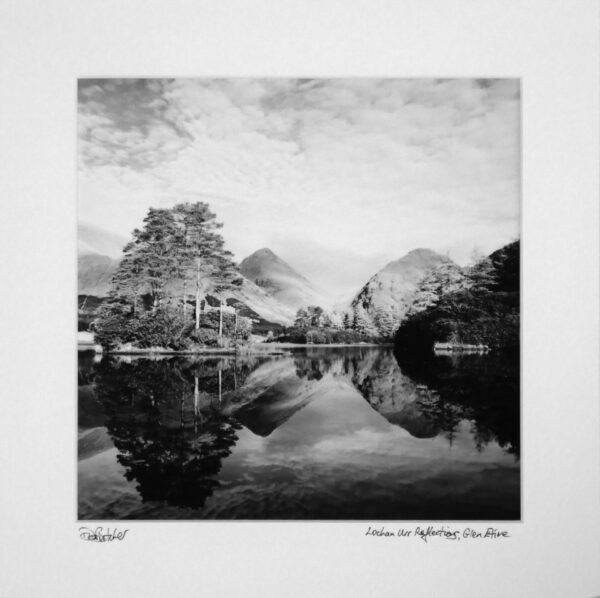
(480, 389)
(321, 433)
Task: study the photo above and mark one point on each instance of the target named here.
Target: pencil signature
(99, 535)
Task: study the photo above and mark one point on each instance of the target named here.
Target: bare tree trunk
(220, 317)
(219, 386)
(198, 297)
(184, 296)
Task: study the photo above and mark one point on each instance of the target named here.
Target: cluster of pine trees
(313, 325)
(475, 305)
(168, 268)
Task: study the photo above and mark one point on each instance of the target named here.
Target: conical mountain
(280, 280)
(382, 303)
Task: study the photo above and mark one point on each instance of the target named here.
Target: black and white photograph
(299, 299)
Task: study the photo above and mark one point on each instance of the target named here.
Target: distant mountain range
(275, 291)
(98, 255)
(94, 240)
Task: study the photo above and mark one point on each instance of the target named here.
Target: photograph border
(552, 46)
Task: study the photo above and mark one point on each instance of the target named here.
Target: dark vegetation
(158, 295)
(321, 336)
(87, 311)
(164, 419)
(485, 312)
(174, 420)
(314, 326)
(483, 389)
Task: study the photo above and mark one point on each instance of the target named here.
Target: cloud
(323, 168)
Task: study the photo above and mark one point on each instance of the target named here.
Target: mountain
(98, 255)
(264, 304)
(94, 240)
(392, 394)
(383, 302)
(273, 393)
(94, 273)
(281, 281)
(485, 312)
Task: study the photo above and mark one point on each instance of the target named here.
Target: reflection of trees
(173, 421)
(311, 369)
(432, 395)
(483, 389)
(166, 421)
(380, 381)
(85, 368)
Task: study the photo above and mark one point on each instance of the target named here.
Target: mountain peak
(419, 258)
(422, 251)
(263, 252)
(392, 290)
(279, 279)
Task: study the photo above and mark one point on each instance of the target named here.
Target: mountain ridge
(382, 303)
(271, 273)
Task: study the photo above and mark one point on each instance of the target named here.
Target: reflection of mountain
(394, 395)
(174, 421)
(481, 389)
(272, 394)
(93, 441)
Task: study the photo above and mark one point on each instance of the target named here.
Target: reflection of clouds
(422, 154)
(339, 430)
(319, 446)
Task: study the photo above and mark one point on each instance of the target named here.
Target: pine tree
(126, 283)
(200, 250)
(362, 322)
(446, 278)
(149, 261)
(347, 322)
(385, 322)
(315, 316)
(482, 275)
(302, 318)
(225, 277)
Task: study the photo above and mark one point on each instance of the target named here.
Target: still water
(313, 434)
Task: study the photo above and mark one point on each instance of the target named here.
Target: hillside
(487, 312)
(261, 302)
(280, 280)
(98, 255)
(95, 240)
(94, 273)
(384, 300)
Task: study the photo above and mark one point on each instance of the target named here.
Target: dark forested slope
(486, 312)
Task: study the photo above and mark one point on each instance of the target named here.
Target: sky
(336, 176)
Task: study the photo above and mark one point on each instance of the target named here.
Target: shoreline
(258, 349)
